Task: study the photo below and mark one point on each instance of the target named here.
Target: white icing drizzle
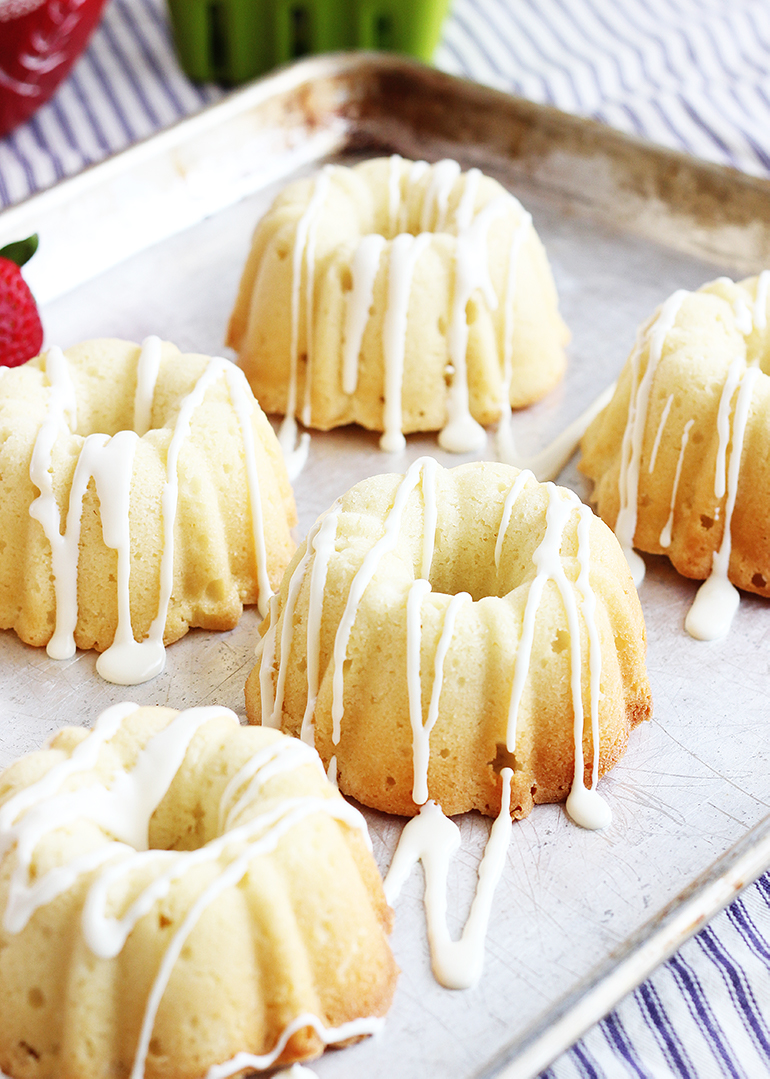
(443, 176)
(356, 1028)
(433, 839)
(665, 535)
(366, 262)
(504, 434)
(415, 172)
(394, 191)
(323, 546)
(415, 474)
(744, 316)
(296, 1071)
(455, 964)
(405, 250)
(659, 433)
(467, 203)
(295, 454)
(147, 370)
(320, 542)
(585, 805)
(510, 501)
(717, 599)
(461, 433)
(547, 560)
(110, 462)
(122, 805)
(421, 731)
(548, 463)
(633, 435)
(734, 374)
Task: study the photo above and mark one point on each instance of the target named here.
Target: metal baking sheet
(153, 241)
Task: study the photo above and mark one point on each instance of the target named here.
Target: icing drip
(303, 252)
(421, 731)
(665, 536)
(548, 463)
(462, 433)
(271, 716)
(122, 807)
(366, 262)
(587, 808)
(323, 546)
(147, 370)
(418, 470)
(633, 435)
(296, 1071)
(510, 501)
(744, 315)
(504, 436)
(443, 176)
(109, 461)
(433, 839)
(416, 171)
(734, 375)
(404, 253)
(430, 837)
(659, 433)
(717, 599)
(356, 1028)
(467, 203)
(394, 191)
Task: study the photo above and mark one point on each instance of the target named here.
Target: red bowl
(39, 42)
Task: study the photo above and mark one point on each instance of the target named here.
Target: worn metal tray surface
(153, 241)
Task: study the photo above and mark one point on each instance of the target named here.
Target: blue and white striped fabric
(126, 86)
(690, 74)
(705, 1013)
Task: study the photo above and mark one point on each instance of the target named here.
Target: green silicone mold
(230, 41)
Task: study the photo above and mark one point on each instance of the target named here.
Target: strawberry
(21, 333)
(39, 42)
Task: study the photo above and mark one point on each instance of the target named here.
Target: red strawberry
(21, 333)
(39, 42)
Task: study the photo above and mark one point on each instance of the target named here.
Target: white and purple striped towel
(690, 74)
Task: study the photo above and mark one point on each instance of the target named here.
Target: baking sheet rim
(569, 1018)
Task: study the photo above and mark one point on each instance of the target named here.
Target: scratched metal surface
(578, 916)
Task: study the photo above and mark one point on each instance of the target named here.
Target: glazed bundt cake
(679, 458)
(441, 626)
(143, 492)
(182, 896)
(401, 296)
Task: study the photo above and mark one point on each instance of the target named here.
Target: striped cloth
(690, 74)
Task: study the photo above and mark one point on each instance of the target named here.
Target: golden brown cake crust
(512, 320)
(214, 546)
(374, 751)
(282, 917)
(685, 407)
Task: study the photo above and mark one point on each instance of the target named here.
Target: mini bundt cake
(679, 457)
(182, 896)
(439, 626)
(143, 492)
(401, 296)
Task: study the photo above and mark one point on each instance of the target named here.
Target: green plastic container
(230, 41)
